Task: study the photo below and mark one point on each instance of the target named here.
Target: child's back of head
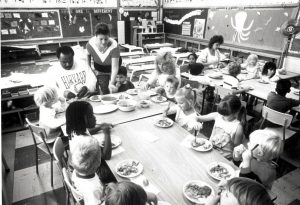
(85, 155)
(196, 68)
(229, 105)
(234, 69)
(45, 96)
(187, 94)
(283, 87)
(125, 193)
(269, 66)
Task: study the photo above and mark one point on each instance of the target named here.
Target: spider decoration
(241, 31)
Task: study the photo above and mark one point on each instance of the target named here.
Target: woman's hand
(112, 88)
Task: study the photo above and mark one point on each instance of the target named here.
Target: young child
(46, 98)
(192, 59)
(86, 159)
(230, 119)
(169, 88)
(241, 191)
(251, 66)
(121, 80)
(269, 73)
(263, 147)
(128, 193)
(186, 115)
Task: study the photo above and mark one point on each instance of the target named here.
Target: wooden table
(129, 54)
(168, 165)
(289, 75)
(145, 59)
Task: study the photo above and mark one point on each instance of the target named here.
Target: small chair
(41, 142)
(76, 195)
(59, 153)
(278, 118)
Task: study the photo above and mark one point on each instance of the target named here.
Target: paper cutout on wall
(199, 28)
(186, 28)
(268, 21)
(241, 31)
(185, 17)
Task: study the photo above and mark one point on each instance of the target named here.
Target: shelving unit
(15, 109)
(144, 38)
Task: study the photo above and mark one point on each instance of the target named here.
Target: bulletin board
(254, 28)
(189, 22)
(76, 22)
(30, 25)
(127, 15)
(108, 16)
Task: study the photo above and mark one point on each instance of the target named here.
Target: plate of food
(216, 75)
(109, 99)
(220, 170)
(95, 98)
(115, 140)
(132, 91)
(159, 99)
(102, 109)
(197, 191)
(201, 145)
(124, 96)
(129, 168)
(164, 122)
(263, 81)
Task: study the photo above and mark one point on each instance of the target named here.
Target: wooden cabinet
(148, 38)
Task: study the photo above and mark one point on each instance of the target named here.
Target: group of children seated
(254, 156)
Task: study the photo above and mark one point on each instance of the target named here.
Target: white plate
(132, 91)
(115, 140)
(263, 81)
(144, 103)
(163, 203)
(102, 109)
(197, 200)
(127, 105)
(159, 99)
(216, 75)
(216, 175)
(127, 165)
(205, 145)
(124, 96)
(167, 120)
(95, 98)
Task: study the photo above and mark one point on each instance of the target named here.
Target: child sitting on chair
(122, 83)
(46, 98)
(230, 119)
(240, 190)
(269, 73)
(128, 193)
(86, 159)
(251, 67)
(263, 147)
(186, 115)
(169, 88)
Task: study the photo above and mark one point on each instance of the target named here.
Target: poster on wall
(186, 28)
(198, 30)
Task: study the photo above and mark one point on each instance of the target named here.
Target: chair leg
(51, 171)
(36, 161)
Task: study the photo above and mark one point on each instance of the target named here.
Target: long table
(168, 165)
(141, 60)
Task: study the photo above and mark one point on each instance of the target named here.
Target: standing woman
(210, 57)
(105, 52)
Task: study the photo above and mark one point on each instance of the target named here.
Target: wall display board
(138, 3)
(176, 21)
(58, 3)
(227, 3)
(76, 22)
(136, 14)
(105, 15)
(250, 27)
(25, 25)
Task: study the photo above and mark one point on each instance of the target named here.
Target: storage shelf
(17, 97)
(12, 111)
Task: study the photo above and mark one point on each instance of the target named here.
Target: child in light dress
(263, 147)
(240, 191)
(230, 119)
(169, 88)
(186, 115)
(46, 98)
(251, 67)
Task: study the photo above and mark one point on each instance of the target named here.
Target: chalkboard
(76, 22)
(255, 28)
(190, 22)
(108, 16)
(19, 25)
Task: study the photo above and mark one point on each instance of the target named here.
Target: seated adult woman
(210, 57)
(105, 52)
(165, 67)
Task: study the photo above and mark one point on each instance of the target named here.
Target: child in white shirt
(169, 88)
(46, 98)
(251, 66)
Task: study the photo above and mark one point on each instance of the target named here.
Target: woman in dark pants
(105, 53)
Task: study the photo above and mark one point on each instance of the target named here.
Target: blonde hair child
(251, 66)
(186, 115)
(263, 147)
(46, 98)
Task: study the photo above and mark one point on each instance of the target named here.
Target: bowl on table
(126, 105)
(109, 99)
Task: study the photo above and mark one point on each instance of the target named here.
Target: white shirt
(206, 57)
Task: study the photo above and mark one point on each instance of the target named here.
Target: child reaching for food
(169, 88)
(230, 119)
(186, 115)
(263, 147)
(251, 68)
(240, 191)
(128, 193)
(46, 98)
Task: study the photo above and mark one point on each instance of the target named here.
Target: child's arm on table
(208, 117)
(107, 149)
(170, 110)
(238, 137)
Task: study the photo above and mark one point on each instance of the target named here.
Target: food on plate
(128, 168)
(124, 104)
(159, 98)
(198, 143)
(164, 122)
(133, 91)
(195, 191)
(124, 97)
(108, 98)
(220, 171)
(95, 98)
(145, 182)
